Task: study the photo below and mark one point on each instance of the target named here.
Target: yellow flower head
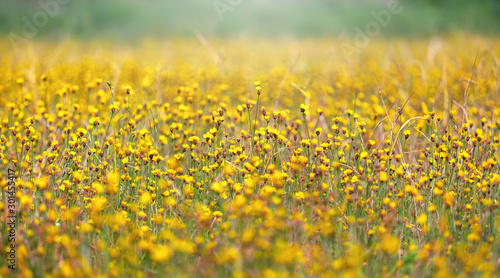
(112, 182)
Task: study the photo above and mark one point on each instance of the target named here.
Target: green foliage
(133, 19)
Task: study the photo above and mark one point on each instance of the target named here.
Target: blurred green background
(133, 19)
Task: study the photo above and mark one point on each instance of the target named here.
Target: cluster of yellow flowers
(248, 161)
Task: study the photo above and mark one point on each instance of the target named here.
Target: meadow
(251, 158)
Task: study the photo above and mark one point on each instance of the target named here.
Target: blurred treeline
(155, 18)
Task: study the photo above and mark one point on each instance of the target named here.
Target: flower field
(250, 159)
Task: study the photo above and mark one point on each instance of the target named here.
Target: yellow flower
(449, 198)
(303, 108)
(172, 163)
(112, 181)
(86, 228)
(42, 182)
(98, 203)
(431, 207)
(170, 201)
(161, 253)
(77, 176)
(278, 178)
(247, 235)
(383, 177)
(217, 187)
(473, 237)
(300, 195)
(464, 154)
(422, 219)
(146, 198)
(228, 169)
(390, 244)
(406, 133)
(113, 107)
(128, 89)
(98, 187)
(412, 190)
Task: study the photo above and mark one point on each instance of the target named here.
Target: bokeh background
(134, 19)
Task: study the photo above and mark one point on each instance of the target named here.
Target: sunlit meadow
(252, 158)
